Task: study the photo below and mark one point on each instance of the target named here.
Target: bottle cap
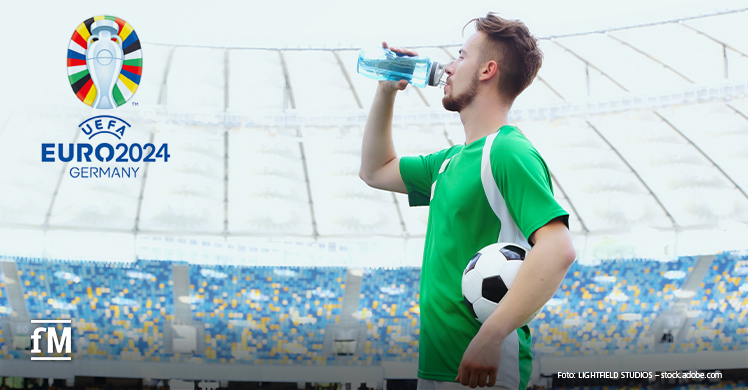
(436, 74)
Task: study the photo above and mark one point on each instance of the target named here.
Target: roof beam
(667, 122)
(620, 156)
(542, 80)
(226, 80)
(713, 39)
(666, 66)
(400, 216)
(571, 204)
(289, 88)
(315, 232)
(162, 93)
(737, 111)
(348, 79)
(423, 97)
(444, 48)
(142, 191)
(57, 186)
(226, 181)
(580, 58)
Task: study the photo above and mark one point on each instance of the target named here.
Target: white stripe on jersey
(509, 232)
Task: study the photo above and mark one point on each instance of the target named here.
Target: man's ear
(489, 70)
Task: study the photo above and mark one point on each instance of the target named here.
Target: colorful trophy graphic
(104, 62)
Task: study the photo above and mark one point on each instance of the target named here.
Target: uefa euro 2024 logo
(105, 62)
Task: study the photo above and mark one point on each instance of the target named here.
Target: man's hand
(480, 362)
(394, 86)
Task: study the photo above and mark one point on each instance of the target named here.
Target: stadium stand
(719, 307)
(280, 315)
(608, 308)
(261, 314)
(4, 311)
(118, 309)
(389, 308)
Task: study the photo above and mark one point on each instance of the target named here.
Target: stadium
(257, 258)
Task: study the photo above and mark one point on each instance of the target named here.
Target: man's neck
(481, 119)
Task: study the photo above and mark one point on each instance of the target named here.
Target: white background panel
(343, 203)
(677, 174)
(634, 71)
(318, 82)
(156, 57)
(684, 50)
(256, 82)
(27, 184)
(603, 189)
(267, 187)
(196, 79)
(187, 193)
(731, 29)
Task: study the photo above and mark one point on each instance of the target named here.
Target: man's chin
(450, 105)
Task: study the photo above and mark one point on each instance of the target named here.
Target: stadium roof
(645, 130)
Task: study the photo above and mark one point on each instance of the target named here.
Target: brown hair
(511, 45)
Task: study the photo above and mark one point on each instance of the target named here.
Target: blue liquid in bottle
(384, 64)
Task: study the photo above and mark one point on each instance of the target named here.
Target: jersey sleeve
(524, 181)
(419, 173)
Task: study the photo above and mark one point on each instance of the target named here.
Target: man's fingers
(402, 84)
(482, 379)
(473, 383)
(491, 379)
(464, 375)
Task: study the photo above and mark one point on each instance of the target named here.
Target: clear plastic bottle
(384, 64)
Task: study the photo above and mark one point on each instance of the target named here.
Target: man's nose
(449, 70)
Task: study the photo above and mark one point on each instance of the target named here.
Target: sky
(341, 23)
(34, 41)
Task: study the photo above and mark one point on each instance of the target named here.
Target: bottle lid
(436, 73)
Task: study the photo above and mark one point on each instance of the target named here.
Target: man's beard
(459, 102)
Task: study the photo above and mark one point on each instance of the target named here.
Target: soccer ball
(489, 276)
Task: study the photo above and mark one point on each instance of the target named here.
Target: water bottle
(385, 64)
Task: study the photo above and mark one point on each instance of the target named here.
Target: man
(494, 188)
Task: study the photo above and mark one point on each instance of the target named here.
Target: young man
(494, 188)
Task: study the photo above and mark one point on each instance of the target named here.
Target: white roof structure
(645, 130)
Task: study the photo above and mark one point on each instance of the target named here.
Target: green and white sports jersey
(496, 189)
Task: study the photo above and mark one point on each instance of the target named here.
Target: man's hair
(510, 44)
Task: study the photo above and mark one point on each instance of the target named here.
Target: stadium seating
(263, 314)
(389, 308)
(118, 308)
(720, 307)
(279, 315)
(607, 308)
(4, 311)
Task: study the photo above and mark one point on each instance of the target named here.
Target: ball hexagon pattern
(489, 276)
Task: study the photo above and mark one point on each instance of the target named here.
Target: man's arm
(537, 280)
(380, 166)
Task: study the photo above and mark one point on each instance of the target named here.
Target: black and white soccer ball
(489, 276)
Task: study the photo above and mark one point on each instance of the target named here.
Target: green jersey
(495, 189)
